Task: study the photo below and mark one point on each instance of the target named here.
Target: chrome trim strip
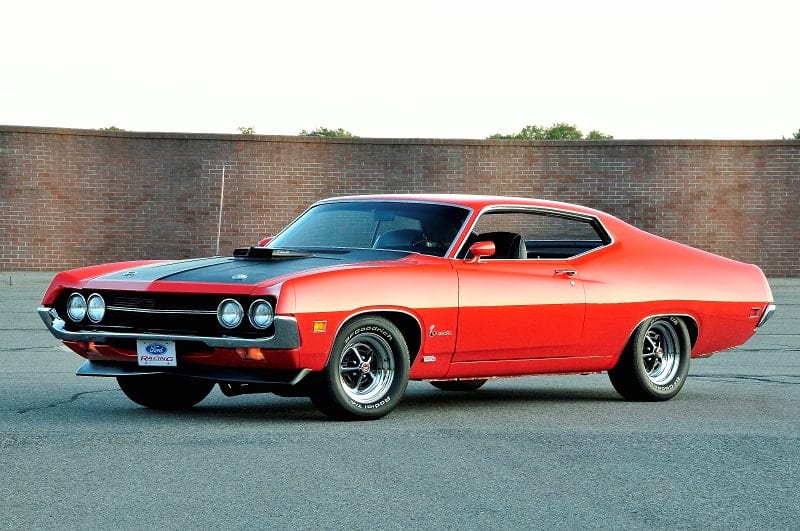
(286, 336)
(151, 310)
(768, 311)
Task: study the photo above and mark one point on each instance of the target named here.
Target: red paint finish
(483, 318)
(497, 320)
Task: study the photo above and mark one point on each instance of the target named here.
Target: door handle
(566, 273)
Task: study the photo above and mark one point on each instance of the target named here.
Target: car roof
(475, 202)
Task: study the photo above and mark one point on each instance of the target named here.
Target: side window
(537, 234)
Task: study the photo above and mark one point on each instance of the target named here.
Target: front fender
(324, 302)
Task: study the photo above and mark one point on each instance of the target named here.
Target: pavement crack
(781, 379)
(779, 348)
(57, 403)
(20, 349)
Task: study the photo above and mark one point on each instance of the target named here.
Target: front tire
(367, 373)
(165, 391)
(655, 362)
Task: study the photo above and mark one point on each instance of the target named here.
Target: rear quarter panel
(641, 275)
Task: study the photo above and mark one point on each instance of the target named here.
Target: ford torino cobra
(361, 294)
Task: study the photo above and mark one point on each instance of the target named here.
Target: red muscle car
(360, 294)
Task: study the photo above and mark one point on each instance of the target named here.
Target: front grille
(128, 301)
(163, 313)
(163, 302)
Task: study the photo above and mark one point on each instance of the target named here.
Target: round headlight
(96, 308)
(260, 314)
(76, 307)
(230, 313)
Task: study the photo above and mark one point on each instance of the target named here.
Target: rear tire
(165, 391)
(458, 385)
(367, 372)
(655, 362)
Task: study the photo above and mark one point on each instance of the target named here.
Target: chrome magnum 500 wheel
(655, 362)
(367, 372)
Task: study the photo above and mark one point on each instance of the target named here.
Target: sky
(412, 69)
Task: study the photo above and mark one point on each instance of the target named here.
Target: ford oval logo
(156, 350)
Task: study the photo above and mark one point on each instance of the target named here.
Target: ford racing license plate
(156, 353)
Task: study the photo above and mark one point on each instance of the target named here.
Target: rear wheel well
(691, 325)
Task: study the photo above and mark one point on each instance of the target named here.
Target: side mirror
(265, 241)
(480, 250)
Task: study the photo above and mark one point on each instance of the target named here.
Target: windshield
(417, 227)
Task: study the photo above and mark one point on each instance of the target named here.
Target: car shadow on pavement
(425, 402)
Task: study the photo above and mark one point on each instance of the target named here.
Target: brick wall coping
(396, 141)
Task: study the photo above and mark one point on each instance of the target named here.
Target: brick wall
(73, 197)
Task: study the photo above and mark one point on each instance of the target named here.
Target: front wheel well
(408, 325)
(410, 329)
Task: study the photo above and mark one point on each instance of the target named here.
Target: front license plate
(156, 353)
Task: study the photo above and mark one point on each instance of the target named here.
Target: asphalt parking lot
(561, 452)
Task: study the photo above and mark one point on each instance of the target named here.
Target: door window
(537, 235)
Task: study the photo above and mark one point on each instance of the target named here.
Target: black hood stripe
(150, 273)
(246, 270)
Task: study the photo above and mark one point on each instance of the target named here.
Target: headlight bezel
(89, 309)
(239, 311)
(82, 309)
(252, 317)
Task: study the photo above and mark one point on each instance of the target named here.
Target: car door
(527, 300)
(517, 309)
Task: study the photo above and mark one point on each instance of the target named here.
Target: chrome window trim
(460, 231)
(559, 212)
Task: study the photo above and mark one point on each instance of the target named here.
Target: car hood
(247, 270)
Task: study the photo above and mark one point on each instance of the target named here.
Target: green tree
(111, 128)
(557, 131)
(324, 131)
(246, 130)
(594, 134)
(796, 136)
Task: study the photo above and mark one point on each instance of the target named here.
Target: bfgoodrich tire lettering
(164, 391)
(655, 362)
(367, 372)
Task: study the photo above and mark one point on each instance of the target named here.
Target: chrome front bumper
(286, 336)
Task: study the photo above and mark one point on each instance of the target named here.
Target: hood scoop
(264, 253)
